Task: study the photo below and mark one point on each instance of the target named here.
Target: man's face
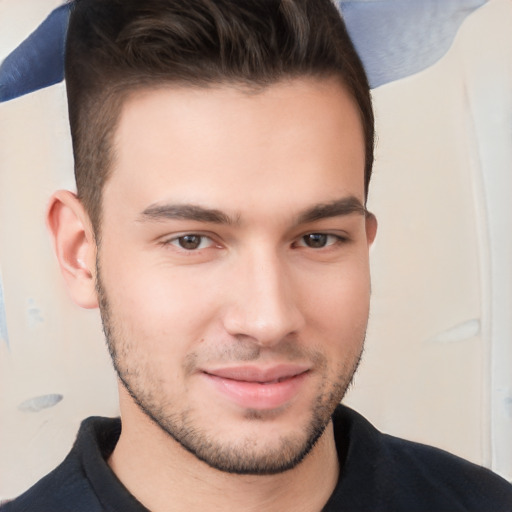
(233, 267)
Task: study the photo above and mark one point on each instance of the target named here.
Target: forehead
(227, 144)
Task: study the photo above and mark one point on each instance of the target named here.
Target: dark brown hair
(115, 47)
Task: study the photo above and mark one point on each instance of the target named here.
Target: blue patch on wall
(397, 38)
(39, 60)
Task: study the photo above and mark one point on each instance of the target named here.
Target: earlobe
(371, 228)
(75, 246)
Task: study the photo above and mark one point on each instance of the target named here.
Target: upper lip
(258, 374)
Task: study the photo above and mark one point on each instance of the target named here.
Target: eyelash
(335, 240)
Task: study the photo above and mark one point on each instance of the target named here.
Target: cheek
(340, 300)
(159, 301)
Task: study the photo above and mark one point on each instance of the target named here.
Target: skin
(233, 240)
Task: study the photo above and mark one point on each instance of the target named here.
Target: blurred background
(438, 360)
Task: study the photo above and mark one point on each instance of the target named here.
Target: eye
(319, 240)
(191, 242)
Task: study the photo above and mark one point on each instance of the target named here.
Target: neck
(163, 476)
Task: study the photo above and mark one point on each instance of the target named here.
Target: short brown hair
(115, 47)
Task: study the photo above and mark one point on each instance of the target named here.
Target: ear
(371, 228)
(75, 246)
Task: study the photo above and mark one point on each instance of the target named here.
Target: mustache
(245, 350)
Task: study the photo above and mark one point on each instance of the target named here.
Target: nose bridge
(264, 302)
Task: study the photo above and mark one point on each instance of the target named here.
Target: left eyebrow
(345, 206)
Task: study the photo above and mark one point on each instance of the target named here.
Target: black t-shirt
(379, 473)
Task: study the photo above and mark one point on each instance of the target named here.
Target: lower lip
(254, 395)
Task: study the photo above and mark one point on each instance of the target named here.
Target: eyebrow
(160, 212)
(345, 206)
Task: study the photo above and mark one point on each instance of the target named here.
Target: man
(223, 153)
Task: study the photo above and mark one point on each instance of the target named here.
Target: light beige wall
(431, 348)
(438, 366)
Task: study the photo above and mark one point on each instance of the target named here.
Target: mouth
(257, 388)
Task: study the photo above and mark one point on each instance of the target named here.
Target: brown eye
(190, 242)
(316, 240)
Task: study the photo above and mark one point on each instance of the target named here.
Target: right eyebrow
(160, 212)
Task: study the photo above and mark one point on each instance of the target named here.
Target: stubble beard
(238, 458)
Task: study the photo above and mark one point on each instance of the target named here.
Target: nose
(264, 302)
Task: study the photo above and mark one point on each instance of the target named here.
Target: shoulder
(68, 487)
(452, 479)
(64, 489)
(404, 475)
